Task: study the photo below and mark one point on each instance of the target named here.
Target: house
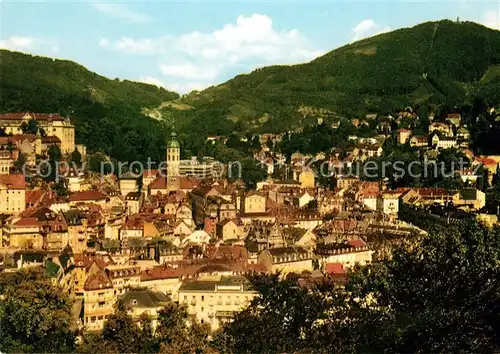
(402, 136)
(454, 119)
(144, 301)
(215, 299)
(348, 254)
(6, 162)
(306, 178)
(149, 176)
(373, 151)
(76, 181)
(54, 125)
(133, 202)
(442, 128)
(286, 260)
(346, 182)
(228, 229)
(468, 176)
(87, 197)
(254, 202)
(369, 198)
(181, 228)
(128, 183)
(388, 202)
(419, 141)
(470, 198)
(198, 237)
(12, 193)
(98, 298)
(76, 226)
(443, 142)
(123, 276)
(303, 199)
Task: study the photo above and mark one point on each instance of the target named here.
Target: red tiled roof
(335, 268)
(150, 173)
(37, 116)
(357, 243)
(98, 281)
(188, 183)
(27, 222)
(486, 160)
(51, 140)
(34, 196)
(13, 181)
(168, 273)
(158, 183)
(22, 137)
(257, 268)
(433, 191)
(87, 196)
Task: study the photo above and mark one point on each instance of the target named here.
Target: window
(92, 319)
(202, 298)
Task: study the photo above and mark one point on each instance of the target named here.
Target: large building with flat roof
(53, 124)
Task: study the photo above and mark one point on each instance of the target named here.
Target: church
(181, 174)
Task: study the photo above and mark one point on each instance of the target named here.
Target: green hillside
(107, 113)
(433, 63)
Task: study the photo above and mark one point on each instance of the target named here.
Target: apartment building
(53, 125)
(12, 194)
(214, 299)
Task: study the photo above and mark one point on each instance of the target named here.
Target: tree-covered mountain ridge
(109, 115)
(432, 63)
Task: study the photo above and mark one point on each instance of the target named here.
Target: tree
(76, 157)
(20, 163)
(178, 332)
(30, 128)
(437, 293)
(54, 153)
(35, 316)
(119, 335)
(284, 317)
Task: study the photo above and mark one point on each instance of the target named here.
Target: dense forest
(433, 63)
(107, 113)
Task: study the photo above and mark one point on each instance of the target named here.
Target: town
(192, 236)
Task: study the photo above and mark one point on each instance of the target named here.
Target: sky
(188, 45)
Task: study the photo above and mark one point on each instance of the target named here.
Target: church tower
(173, 159)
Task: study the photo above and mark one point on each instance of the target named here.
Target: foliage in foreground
(436, 295)
(439, 296)
(35, 316)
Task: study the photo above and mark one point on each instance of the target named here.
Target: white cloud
(18, 43)
(29, 44)
(492, 19)
(190, 71)
(200, 59)
(367, 28)
(152, 81)
(120, 11)
(186, 87)
(103, 42)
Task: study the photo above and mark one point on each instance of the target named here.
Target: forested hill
(107, 113)
(435, 63)
(432, 63)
